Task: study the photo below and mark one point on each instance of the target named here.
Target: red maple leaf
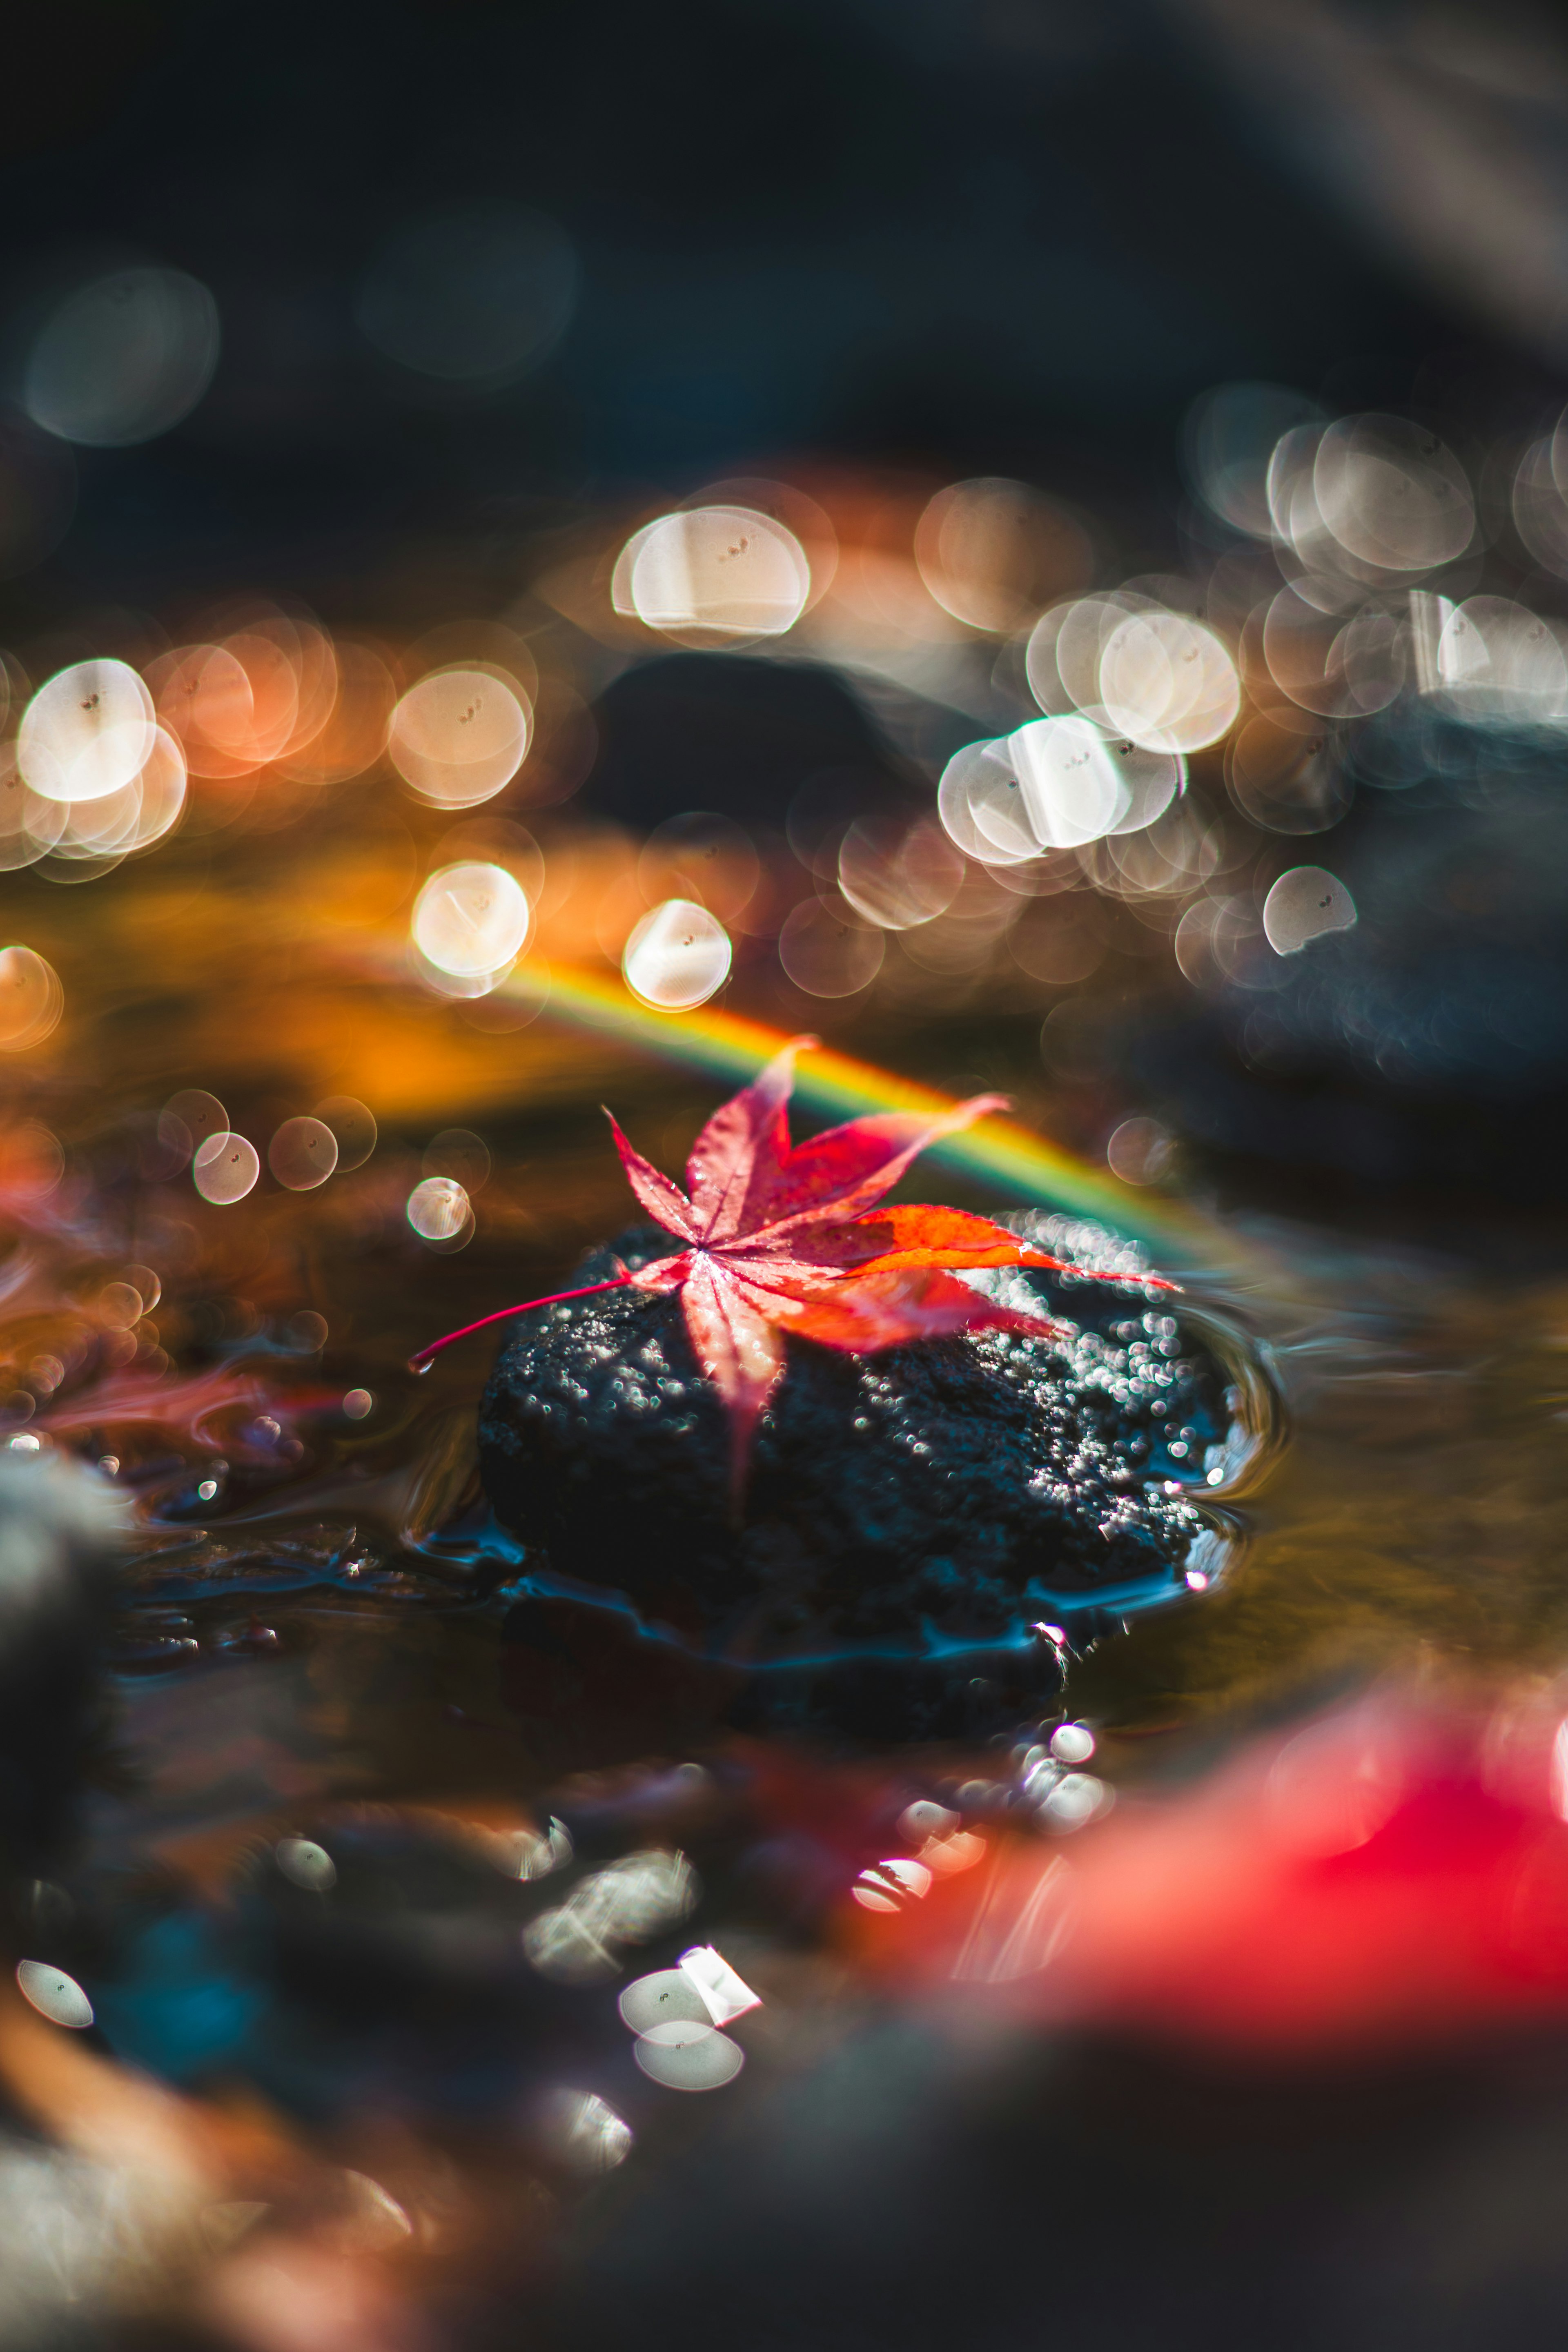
(779, 1239)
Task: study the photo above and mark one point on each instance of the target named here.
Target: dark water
(326, 1860)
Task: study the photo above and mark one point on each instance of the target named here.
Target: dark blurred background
(1016, 237)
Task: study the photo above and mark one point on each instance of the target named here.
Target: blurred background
(351, 351)
(463, 268)
(541, 549)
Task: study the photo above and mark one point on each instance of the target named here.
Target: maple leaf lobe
(779, 1240)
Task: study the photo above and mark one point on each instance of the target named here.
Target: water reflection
(1325, 649)
(397, 1826)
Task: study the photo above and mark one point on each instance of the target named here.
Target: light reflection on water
(320, 1819)
(365, 1741)
(287, 1423)
(298, 1496)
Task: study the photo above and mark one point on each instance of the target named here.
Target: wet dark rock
(1428, 1044)
(60, 1534)
(907, 1520)
(739, 736)
(1344, 2201)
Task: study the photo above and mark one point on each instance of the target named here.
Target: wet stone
(908, 1517)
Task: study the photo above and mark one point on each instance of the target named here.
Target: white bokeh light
(1497, 662)
(981, 807)
(1167, 682)
(302, 1154)
(585, 2133)
(54, 1995)
(459, 736)
(439, 1209)
(721, 571)
(306, 1864)
(470, 921)
(687, 2057)
(668, 1996)
(990, 551)
(1337, 668)
(88, 731)
(1391, 494)
(354, 1129)
(1302, 905)
(677, 956)
(1071, 791)
(225, 1169)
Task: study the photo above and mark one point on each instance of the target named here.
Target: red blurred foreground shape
(1392, 1873)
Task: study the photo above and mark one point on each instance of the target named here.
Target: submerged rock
(1428, 1045)
(909, 1519)
(60, 1532)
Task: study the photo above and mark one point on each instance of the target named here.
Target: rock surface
(904, 1511)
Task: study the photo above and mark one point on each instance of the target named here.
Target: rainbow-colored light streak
(999, 1151)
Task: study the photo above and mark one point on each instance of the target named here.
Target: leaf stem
(422, 1362)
